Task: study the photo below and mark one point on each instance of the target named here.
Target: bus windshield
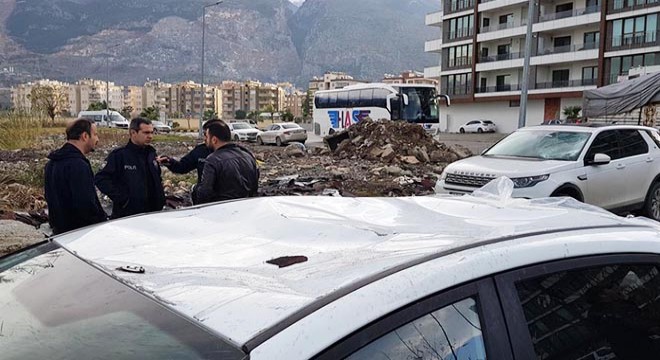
(422, 105)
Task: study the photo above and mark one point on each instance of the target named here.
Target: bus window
(332, 100)
(354, 98)
(395, 104)
(366, 97)
(323, 101)
(342, 99)
(380, 98)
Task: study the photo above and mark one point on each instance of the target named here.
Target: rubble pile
(393, 142)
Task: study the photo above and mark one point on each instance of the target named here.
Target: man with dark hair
(131, 176)
(69, 181)
(230, 172)
(191, 161)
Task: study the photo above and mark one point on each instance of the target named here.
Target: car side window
(276, 127)
(453, 332)
(605, 143)
(599, 312)
(632, 143)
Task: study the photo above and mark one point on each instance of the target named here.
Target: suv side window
(632, 143)
(453, 332)
(605, 143)
(599, 312)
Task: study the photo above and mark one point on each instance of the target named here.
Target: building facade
(576, 45)
(409, 77)
(88, 91)
(20, 94)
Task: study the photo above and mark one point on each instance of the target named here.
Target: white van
(100, 117)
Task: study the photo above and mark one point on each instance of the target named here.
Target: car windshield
(117, 118)
(542, 145)
(291, 126)
(487, 122)
(241, 126)
(55, 306)
(422, 105)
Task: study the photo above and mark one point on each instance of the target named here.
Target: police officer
(131, 177)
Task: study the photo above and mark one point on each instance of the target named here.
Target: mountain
(267, 40)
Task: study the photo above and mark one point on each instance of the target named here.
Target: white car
(341, 278)
(478, 126)
(282, 133)
(105, 118)
(161, 127)
(242, 131)
(614, 167)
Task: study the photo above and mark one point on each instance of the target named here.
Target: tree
(126, 111)
(271, 110)
(50, 99)
(253, 115)
(97, 106)
(210, 114)
(572, 113)
(240, 114)
(287, 116)
(151, 113)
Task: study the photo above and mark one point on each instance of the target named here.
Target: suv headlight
(528, 181)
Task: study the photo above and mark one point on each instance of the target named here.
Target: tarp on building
(621, 97)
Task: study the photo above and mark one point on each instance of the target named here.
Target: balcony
(434, 18)
(566, 84)
(433, 46)
(458, 62)
(568, 48)
(502, 57)
(498, 88)
(459, 34)
(460, 91)
(634, 40)
(619, 6)
(508, 25)
(432, 72)
(569, 13)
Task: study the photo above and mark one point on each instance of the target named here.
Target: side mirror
(600, 159)
(446, 97)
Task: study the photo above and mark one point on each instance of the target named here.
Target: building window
(459, 56)
(504, 52)
(459, 84)
(635, 31)
(591, 40)
(506, 19)
(461, 27)
(503, 82)
(589, 75)
(622, 64)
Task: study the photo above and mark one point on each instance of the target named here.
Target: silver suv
(614, 167)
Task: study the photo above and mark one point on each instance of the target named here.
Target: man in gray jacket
(230, 172)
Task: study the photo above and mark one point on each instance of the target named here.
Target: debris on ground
(15, 235)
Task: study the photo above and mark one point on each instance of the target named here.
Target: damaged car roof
(210, 263)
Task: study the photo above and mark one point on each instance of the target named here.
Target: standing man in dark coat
(131, 177)
(69, 181)
(230, 172)
(193, 160)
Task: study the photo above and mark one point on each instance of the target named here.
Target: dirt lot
(374, 159)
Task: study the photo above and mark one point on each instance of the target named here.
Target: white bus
(336, 110)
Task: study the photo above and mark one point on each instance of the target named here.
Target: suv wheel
(652, 203)
(278, 141)
(461, 130)
(236, 138)
(260, 141)
(480, 130)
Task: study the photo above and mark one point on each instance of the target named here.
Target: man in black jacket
(69, 181)
(131, 177)
(193, 160)
(230, 172)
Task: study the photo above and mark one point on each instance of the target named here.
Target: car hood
(510, 167)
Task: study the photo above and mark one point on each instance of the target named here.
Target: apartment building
(87, 91)
(576, 45)
(20, 94)
(409, 77)
(189, 99)
(294, 103)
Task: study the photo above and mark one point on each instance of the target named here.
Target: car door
(604, 183)
(463, 323)
(589, 308)
(635, 159)
(267, 135)
(471, 126)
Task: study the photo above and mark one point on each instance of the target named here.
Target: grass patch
(170, 138)
(20, 130)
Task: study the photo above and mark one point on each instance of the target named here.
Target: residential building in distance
(294, 103)
(409, 77)
(20, 98)
(88, 91)
(577, 45)
(133, 98)
(189, 98)
(330, 81)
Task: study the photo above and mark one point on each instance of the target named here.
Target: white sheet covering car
(334, 278)
(282, 133)
(478, 126)
(242, 131)
(614, 167)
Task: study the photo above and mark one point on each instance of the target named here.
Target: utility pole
(203, 101)
(107, 92)
(529, 39)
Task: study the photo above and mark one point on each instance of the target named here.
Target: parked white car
(341, 278)
(282, 133)
(614, 167)
(161, 127)
(242, 131)
(478, 126)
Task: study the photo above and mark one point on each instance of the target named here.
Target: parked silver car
(282, 133)
(242, 131)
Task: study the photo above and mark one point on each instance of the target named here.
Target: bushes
(20, 130)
